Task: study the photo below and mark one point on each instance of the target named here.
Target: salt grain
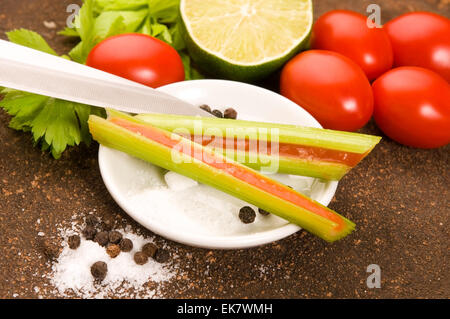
(50, 24)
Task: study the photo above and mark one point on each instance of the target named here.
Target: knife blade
(33, 71)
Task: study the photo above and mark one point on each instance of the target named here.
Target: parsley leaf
(69, 32)
(111, 5)
(23, 107)
(84, 23)
(30, 39)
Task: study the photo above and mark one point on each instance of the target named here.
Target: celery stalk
(301, 135)
(359, 144)
(118, 137)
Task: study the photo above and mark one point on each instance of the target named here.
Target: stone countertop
(398, 197)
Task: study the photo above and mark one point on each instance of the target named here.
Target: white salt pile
(199, 209)
(71, 275)
(177, 182)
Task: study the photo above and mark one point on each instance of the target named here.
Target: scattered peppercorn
(113, 250)
(74, 241)
(162, 256)
(247, 215)
(205, 107)
(89, 232)
(91, 220)
(114, 237)
(126, 245)
(99, 270)
(263, 212)
(149, 249)
(106, 225)
(140, 258)
(102, 238)
(217, 113)
(230, 113)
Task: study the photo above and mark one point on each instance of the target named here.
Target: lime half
(245, 40)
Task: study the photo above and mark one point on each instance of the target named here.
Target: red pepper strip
(285, 149)
(238, 171)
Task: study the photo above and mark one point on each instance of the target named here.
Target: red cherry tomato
(346, 32)
(138, 57)
(412, 106)
(329, 86)
(421, 39)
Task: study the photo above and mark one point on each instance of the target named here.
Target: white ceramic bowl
(215, 223)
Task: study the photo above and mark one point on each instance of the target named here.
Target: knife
(33, 71)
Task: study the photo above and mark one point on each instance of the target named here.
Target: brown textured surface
(398, 197)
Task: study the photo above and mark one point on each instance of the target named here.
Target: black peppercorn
(263, 212)
(140, 258)
(205, 107)
(162, 256)
(113, 250)
(91, 220)
(126, 245)
(114, 237)
(247, 215)
(217, 113)
(89, 232)
(99, 270)
(230, 113)
(74, 241)
(106, 225)
(102, 238)
(149, 249)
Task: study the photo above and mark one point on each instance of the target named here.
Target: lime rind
(228, 57)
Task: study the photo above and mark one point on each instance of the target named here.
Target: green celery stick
(299, 209)
(354, 144)
(301, 135)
